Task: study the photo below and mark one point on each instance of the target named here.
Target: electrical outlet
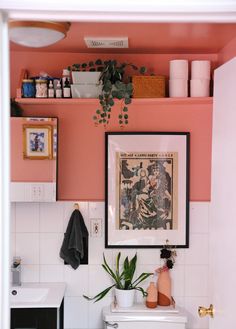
(96, 228)
(36, 192)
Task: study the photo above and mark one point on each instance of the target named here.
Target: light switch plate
(96, 227)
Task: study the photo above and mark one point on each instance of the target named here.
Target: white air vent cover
(121, 42)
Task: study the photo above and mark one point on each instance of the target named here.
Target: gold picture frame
(37, 142)
(54, 142)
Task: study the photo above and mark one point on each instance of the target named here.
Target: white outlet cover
(96, 227)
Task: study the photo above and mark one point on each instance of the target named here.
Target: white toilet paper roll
(200, 70)
(199, 88)
(178, 88)
(179, 69)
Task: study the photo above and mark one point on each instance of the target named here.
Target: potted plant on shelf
(85, 78)
(123, 281)
(112, 81)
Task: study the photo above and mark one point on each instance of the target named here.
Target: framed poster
(37, 142)
(147, 189)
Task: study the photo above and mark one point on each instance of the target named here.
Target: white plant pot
(124, 298)
(86, 85)
(85, 77)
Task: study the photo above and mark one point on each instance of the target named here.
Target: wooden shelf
(55, 101)
(135, 101)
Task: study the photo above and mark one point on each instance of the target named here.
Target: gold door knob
(203, 311)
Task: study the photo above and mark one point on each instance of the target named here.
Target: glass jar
(41, 88)
(28, 89)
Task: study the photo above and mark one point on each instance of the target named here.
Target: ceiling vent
(106, 42)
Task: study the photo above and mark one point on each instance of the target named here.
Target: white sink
(37, 295)
(27, 295)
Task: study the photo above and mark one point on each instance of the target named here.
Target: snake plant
(123, 277)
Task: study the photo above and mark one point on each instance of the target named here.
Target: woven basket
(148, 86)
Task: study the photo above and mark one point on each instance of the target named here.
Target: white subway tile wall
(42, 225)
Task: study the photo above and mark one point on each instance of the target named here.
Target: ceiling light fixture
(37, 34)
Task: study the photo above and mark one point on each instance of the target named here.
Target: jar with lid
(41, 88)
(28, 89)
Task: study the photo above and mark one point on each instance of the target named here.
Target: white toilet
(159, 318)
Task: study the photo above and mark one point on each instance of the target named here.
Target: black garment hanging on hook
(74, 248)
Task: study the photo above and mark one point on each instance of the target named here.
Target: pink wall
(81, 145)
(228, 52)
(27, 170)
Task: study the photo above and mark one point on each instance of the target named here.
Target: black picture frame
(146, 189)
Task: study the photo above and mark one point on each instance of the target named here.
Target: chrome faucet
(16, 271)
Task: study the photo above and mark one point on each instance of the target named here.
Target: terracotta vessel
(164, 286)
(151, 300)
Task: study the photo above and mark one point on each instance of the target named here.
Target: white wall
(37, 234)
(129, 11)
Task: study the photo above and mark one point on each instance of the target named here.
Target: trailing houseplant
(123, 277)
(116, 83)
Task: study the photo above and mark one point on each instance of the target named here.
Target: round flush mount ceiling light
(37, 34)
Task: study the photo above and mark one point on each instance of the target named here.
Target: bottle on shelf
(51, 90)
(58, 90)
(164, 286)
(65, 76)
(151, 300)
(66, 89)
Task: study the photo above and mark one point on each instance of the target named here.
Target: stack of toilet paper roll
(178, 83)
(200, 78)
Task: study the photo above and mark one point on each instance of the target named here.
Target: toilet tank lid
(155, 315)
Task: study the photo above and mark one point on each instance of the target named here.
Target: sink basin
(26, 295)
(37, 295)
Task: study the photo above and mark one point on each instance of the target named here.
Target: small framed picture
(147, 189)
(37, 143)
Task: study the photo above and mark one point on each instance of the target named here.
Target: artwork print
(37, 142)
(146, 189)
(147, 197)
